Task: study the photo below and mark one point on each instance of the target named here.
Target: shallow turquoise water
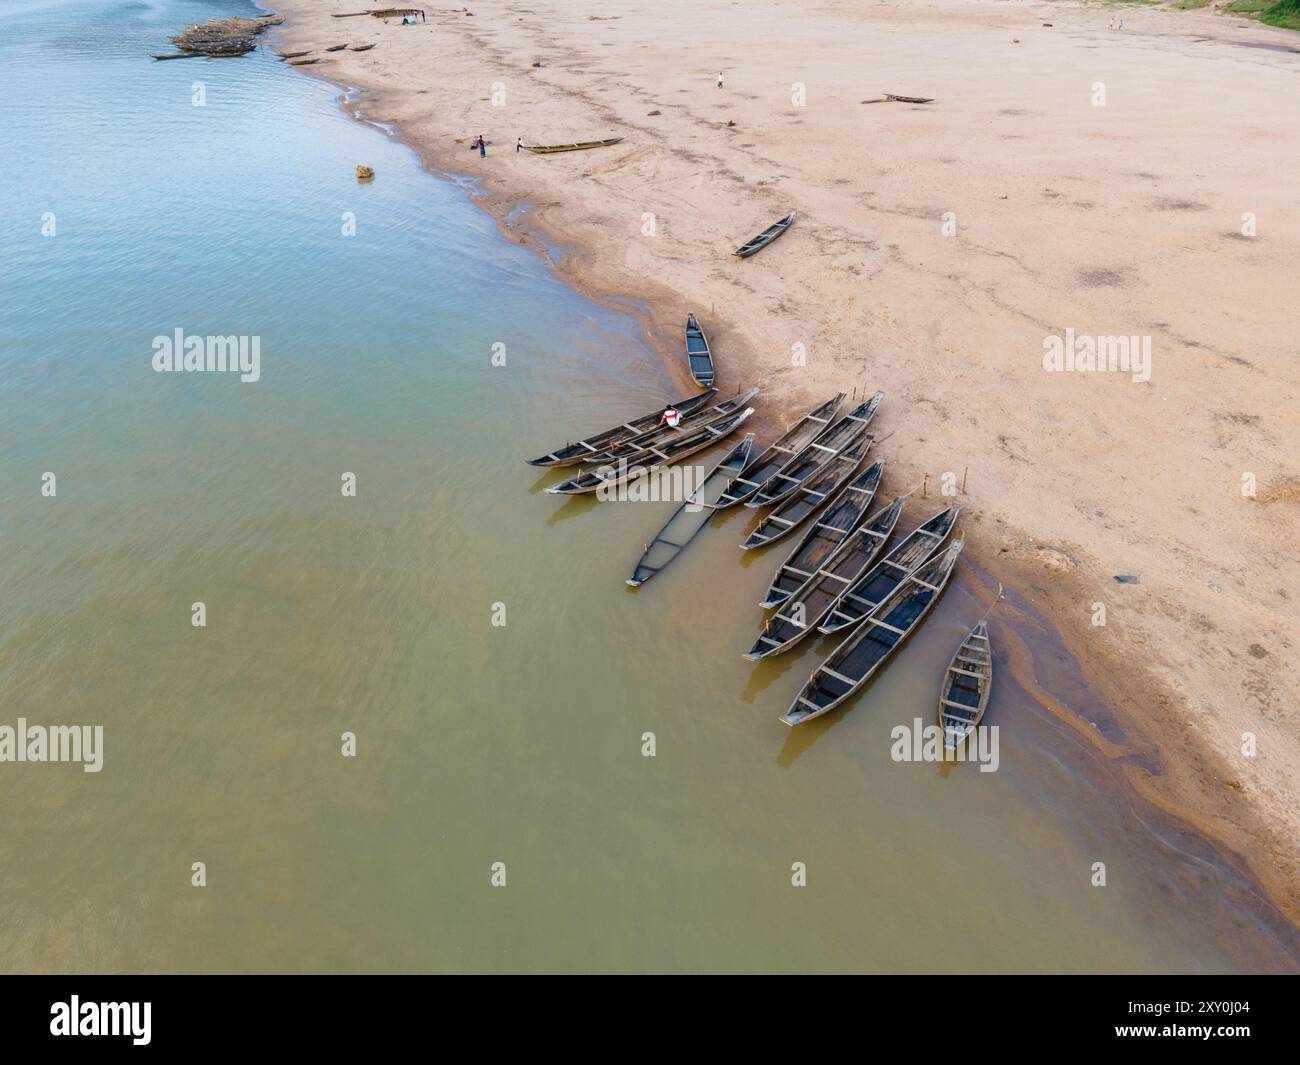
(477, 744)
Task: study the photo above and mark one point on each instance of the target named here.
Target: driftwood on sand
(221, 36)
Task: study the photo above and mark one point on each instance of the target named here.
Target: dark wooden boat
(295, 55)
(571, 454)
(765, 238)
(909, 99)
(663, 433)
(800, 613)
(337, 47)
(808, 497)
(781, 451)
(581, 146)
(691, 517)
(883, 631)
(362, 47)
(964, 696)
(650, 460)
(181, 55)
(303, 62)
(844, 514)
(842, 433)
(698, 355)
(861, 597)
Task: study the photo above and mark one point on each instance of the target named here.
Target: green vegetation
(1285, 13)
(1248, 7)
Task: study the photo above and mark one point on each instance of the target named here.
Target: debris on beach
(651, 114)
(221, 37)
(365, 173)
(1126, 578)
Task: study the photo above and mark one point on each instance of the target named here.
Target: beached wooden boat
(800, 613)
(663, 433)
(571, 454)
(808, 497)
(909, 99)
(581, 146)
(691, 517)
(362, 47)
(182, 55)
(964, 695)
(648, 461)
(842, 433)
(295, 55)
(883, 631)
(780, 451)
(765, 238)
(698, 355)
(337, 47)
(844, 514)
(863, 596)
(303, 62)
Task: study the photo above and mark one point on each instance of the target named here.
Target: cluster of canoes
(851, 573)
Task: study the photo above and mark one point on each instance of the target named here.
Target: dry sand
(1122, 219)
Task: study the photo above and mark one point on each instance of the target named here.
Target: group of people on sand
(481, 145)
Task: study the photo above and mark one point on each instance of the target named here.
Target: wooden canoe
(698, 356)
(909, 99)
(800, 613)
(581, 146)
(780, 451)
(692, 515)
(964, 696)
(665, 434)
(765, 238)
(842, 434)
(337, 47)
(883, 631)
(362, 47)
(808, 497)
(648, 461)
(181, 55)
(303, 62)
(844, 514)
(861, 597)
(572, 454)
(295, 55)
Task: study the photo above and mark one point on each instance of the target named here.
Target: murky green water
(476, 744)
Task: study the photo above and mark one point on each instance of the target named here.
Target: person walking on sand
(482, 147)
(519, 143)
(719, 79)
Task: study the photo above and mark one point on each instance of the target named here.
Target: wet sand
(1097, 181)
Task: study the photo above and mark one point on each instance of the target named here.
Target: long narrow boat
(765, 238)
(695, 513)
(551, 149)
(801, 612)
(571, 454)
(697, 353)
(780, 451)
(964, 695)
(808, 497)
(844, 514)
(843, 433)
(862, 597)
(663, 433)
(860, 657)
(652, 459)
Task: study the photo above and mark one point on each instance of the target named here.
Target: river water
(130, 212)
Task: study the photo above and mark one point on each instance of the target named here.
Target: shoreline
(1196, 781)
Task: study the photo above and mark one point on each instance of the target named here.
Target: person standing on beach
(719, 79)
(482, 147)
(519, 143)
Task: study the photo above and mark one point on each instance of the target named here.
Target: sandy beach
(1136, 183)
